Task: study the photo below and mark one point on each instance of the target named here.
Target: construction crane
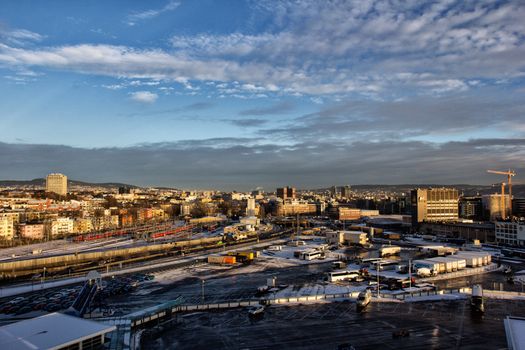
(510, 174)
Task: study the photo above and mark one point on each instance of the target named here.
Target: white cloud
(20, 36)
(144, 96)
(133, 18)
(317, 48)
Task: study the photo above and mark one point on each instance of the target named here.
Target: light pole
(410, 274)
(377, 274)
(202, 291)
(43, 278)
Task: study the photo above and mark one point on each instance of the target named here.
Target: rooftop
(50, 331)
(515, 330)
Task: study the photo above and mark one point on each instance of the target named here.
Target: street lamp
(202, 291)
(43, 278)
(410, 274)
(377, 274)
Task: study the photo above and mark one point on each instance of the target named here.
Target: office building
(511, 233)
(434, 204)
(296, 208)
(56, 183)
(286, 193)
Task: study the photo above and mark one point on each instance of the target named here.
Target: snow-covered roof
(50, 331)
(515, 330)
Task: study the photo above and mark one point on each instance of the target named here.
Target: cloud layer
(246, 163)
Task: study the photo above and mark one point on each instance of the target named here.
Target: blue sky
(157, 92)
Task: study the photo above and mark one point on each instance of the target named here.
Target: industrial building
(56, 183)
(434, 204)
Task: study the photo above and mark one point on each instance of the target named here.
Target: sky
(244, 94)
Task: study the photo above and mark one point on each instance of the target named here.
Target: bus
(369, 261)
(343, 275)
(311, 255)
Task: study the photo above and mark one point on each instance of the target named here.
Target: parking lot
(430, 325)
(60, 299)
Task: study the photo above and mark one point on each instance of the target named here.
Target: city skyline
(254, 93)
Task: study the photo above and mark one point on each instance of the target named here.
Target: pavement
(432, 325)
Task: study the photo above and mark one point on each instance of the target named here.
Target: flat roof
(515, 330)
(50, 331)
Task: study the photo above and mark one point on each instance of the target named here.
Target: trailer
(470, 261)
(482, 258)
(461, 261)
(447, 265)
(428, 264)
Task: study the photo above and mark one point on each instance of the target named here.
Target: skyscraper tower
(56, 183)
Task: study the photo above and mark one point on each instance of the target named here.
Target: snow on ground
(451, 296)
(287, 253)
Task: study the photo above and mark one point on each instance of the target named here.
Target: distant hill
(71, 183)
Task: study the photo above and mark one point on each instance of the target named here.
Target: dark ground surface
(432, 325)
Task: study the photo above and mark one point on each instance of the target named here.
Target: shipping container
(221, 259)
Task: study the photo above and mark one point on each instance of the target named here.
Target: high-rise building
(346, 192)
(250, 208)
(434, 204)
(286, 193)
(56, 183)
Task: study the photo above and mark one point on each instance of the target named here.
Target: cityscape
(262, 175)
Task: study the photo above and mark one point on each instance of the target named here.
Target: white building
(56, 183)
(7, 228)
(512, 233)
(62, 226)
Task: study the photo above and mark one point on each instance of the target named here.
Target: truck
(243, 257)
(445, 265)
(427, 263)
(425, 272)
